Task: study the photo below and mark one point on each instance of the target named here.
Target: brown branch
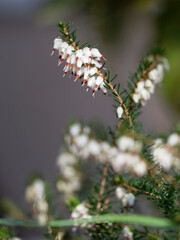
(102, 187)
(139, 190)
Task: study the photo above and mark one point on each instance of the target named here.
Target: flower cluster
(81, 211)
(35, 194)
(146, 85)
(165, 154)
(83, 63)
(128, 157)
(70, 179)
(126, 198)
(127, 234)
(125, 157)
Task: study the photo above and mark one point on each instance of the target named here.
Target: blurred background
(37, 102)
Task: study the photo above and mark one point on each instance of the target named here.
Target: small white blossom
(140, 168)
(35, 194)
(162, 156)
(94, 147)
(42, 218)
(81, 140)
(120, 192)
(131, 199)
(81, 211)
(136, 97)
(119, 112)
(75, 129)
(42, 206)
(127, 234)
(173, 139)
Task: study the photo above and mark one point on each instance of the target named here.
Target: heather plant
(132, 168)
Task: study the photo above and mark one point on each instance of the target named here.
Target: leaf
(121, 218)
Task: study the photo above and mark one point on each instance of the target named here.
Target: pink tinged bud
(85, 60)
(91, 83)
(92, 71)
(99, 80)
(69, 51)
(62, 51)
(79, 74)
(103, 58)
(72, 60)
(79, 63)
(57, 44)
(86, 74)
(66, 69)
(79, 54)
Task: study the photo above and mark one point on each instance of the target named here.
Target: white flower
(173, 139)
(95, 53)
(66, 159)
(103, 88)
(57, 44)
(131, 199)
(15, 238)
(42, 218)
(42, 206)
(118, 162)
(125, 143)
(68, 172)
(125, 201)
(145, 94)
(81, 211)
(81, 140)
(119, 112)
(86, 130)
(140, 87)
(75, 129)
(99, 80)
(136, 97)
(38, 187)
(150, 86)
(140, 168)
(91, 83)
(87, 51)
(157, 73)
(120, 192)
(94, 147)
(163, 157)
(127, 234)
